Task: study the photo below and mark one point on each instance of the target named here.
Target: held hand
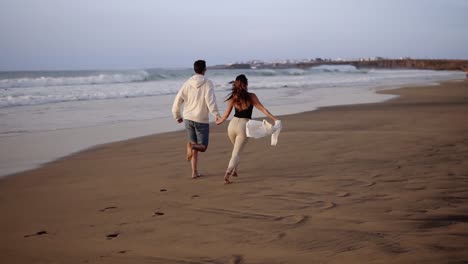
(219, 120)
(179, 120)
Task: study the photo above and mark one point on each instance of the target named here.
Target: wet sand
(373, 183)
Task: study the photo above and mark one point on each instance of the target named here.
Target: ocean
(45, 115)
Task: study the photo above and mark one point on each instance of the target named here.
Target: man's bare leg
(199, 147)
(195, 164)
(189, 151)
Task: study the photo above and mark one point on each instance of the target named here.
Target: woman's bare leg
(237, 135)
(226, 177)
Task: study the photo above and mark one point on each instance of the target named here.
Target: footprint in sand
(343, 194)
(368, 184)
(195, 196)
(112, 236)
(293, 219)
(328, 205)
(280, 235)
(236, 259)
(158, 213)
(39, 233)
(108, 208)
(392, 247)
(277, 236)
(449, 145)
(414, 188)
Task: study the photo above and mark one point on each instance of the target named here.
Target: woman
(243, 103)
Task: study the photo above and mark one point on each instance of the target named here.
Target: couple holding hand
(197, 95)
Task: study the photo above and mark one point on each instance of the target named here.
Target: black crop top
(246, 113)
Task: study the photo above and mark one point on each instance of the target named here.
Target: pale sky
(135, 34)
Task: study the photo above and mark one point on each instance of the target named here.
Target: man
(197, 95)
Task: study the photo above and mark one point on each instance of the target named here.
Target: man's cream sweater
(197, 95)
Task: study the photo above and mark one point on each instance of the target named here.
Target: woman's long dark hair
(239, 93)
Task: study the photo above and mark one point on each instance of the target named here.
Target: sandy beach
(372, 183)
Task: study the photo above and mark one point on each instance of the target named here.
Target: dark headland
(377, 63)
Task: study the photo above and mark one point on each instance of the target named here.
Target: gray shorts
(197, 132)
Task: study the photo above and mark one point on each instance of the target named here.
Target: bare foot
(234, 174)
(226, 177)
(189, 151)
(196, 175)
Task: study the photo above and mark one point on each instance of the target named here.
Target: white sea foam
(131, 84)
(101, 78)
(56, 94)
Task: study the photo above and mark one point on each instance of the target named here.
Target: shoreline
(371, 183)
(44, 147)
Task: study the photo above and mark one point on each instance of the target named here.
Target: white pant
(238, 137)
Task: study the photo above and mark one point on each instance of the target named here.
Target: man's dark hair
(199, 66)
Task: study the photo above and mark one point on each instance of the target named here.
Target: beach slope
(373, 183)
